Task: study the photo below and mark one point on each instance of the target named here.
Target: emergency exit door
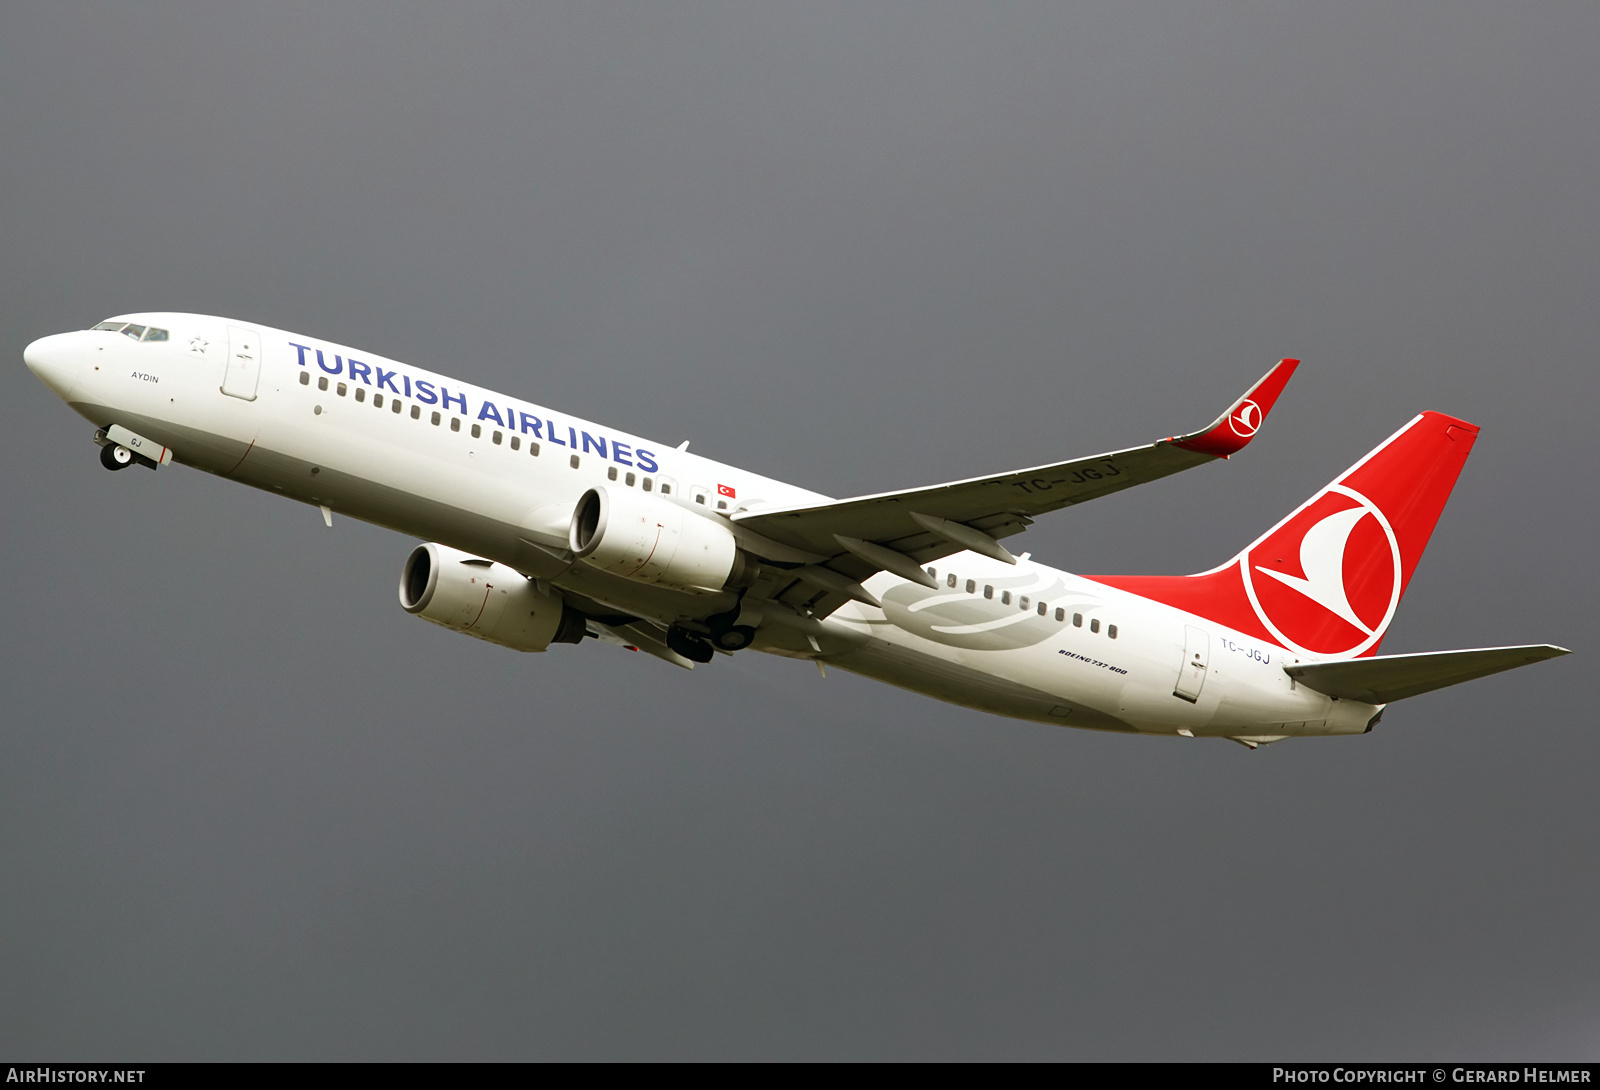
(1192, 674)
(244, 363)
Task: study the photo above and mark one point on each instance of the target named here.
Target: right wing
(851, 540)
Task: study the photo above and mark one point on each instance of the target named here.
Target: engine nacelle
(640, 536)
(465, 593)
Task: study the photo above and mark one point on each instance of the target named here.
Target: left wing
(897, 531)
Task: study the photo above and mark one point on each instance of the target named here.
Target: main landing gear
(724, 635)
(733, 638)
(690, 646)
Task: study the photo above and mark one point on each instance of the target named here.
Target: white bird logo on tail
(1322, 559)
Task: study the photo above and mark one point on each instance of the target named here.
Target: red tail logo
(1328, 580)
(1325, 582)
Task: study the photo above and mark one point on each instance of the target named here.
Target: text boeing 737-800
(544, 528)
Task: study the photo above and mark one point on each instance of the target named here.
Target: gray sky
(250, 809)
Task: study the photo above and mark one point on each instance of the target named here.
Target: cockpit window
(137, 332)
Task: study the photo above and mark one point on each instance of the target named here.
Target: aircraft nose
(53, 360)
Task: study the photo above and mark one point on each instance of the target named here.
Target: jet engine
(640, 536)
(465, 593)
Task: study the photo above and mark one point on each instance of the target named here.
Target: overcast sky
(249, 809)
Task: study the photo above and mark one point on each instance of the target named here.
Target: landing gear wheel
(735, 638)
(115, 457)
(689, 645)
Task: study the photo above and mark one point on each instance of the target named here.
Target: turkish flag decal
(725, 490)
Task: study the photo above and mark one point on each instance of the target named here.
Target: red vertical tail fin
(1327, 579)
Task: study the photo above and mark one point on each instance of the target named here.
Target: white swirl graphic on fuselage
(957, 618)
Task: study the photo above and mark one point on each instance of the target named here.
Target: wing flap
(1385, 678)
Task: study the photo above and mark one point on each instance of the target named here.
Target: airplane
(540, 528)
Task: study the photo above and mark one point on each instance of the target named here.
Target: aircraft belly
(970, 685)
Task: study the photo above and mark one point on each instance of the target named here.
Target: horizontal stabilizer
(1384, 678)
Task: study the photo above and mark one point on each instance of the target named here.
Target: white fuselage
(497, 476)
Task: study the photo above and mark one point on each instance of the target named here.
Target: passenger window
(629, 479)
(1094, 625)
(722, 505)
(1005, 597)
(699, 498)
(516, 443)
(396, 406)
(1077, 620)
(416, 412)
(377, 401)
(666, 488)
(934, 572)
(533, 450)
(322, 382)
(1022, 603)
(1043, 609)
(611, 473)
(1111, 630)
(305, 378)
(477, 431)
(154, 334)
(455, 423)
(497, 438)
(988, 592)
(361, 393)
(647, 484)
(972, 586)
(340, 389)
(1061, 614)
(573, 461)
(435, 419)
(950, 580)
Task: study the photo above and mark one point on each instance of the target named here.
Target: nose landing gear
(117, 449)
(115, 457)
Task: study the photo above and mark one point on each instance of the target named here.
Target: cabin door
(244, 363)
(1192, 673)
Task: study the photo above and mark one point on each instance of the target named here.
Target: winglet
(1234, 428)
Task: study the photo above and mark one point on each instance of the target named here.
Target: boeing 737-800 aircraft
(542, 528)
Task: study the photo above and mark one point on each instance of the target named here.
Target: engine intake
(490, 601)
(642, 537)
